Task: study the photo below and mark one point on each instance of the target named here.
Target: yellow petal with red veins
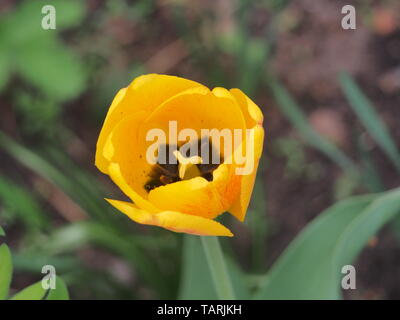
(145, 93)
(172, 220)
(227, 184)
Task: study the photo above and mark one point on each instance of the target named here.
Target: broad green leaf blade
(61, 291)
(311, 266)
(297, 274)
(239, 281)
(296, 116)
(366, 224)
(36, 292)
(371, 120)
(5, 271)
(2, 233)
(33, 292)
(196, 282)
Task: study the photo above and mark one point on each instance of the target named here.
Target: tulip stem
(219, 271)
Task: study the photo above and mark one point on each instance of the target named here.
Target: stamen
(171, 170)
(185, 163)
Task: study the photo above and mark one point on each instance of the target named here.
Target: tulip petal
(120, 181)
(123, 148)
(100, 162)
(239, 207)
(198, 109)
(251, 111)
(172, 220)
(196, 196)
(145, 93)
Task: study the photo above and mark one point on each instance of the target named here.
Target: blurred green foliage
(342, 231)
(40, 57)
(33, 292)
(41, 60)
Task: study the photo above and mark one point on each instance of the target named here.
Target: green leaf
(37, 54)
(257, 221)
(196, 281)
(70, 13)
(2, 233)
(51, 67)
(19, 202)
(370, 174)
(25, 22)
(36, 292)
(21, 24)
(365, 111)
(5, 271)
(33, 292)
(310, 268)
(4, 68)
(296, 116)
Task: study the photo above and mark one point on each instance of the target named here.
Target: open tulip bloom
(182, 153)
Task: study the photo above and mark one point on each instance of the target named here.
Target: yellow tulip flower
(188, 194)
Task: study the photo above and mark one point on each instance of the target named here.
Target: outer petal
(124, 148)
(100, 162)
(119, 180)
(172, 220)
(145, 93)
(239, 207)
(251, 111)
(196, 196)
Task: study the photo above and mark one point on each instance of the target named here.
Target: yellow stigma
(185, 163)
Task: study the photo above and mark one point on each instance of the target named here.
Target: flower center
(180, 167)
(186, 164)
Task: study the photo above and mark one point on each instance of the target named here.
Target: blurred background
(318, 85)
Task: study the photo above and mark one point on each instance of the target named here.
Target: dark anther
(166, 170)
(207, 167)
